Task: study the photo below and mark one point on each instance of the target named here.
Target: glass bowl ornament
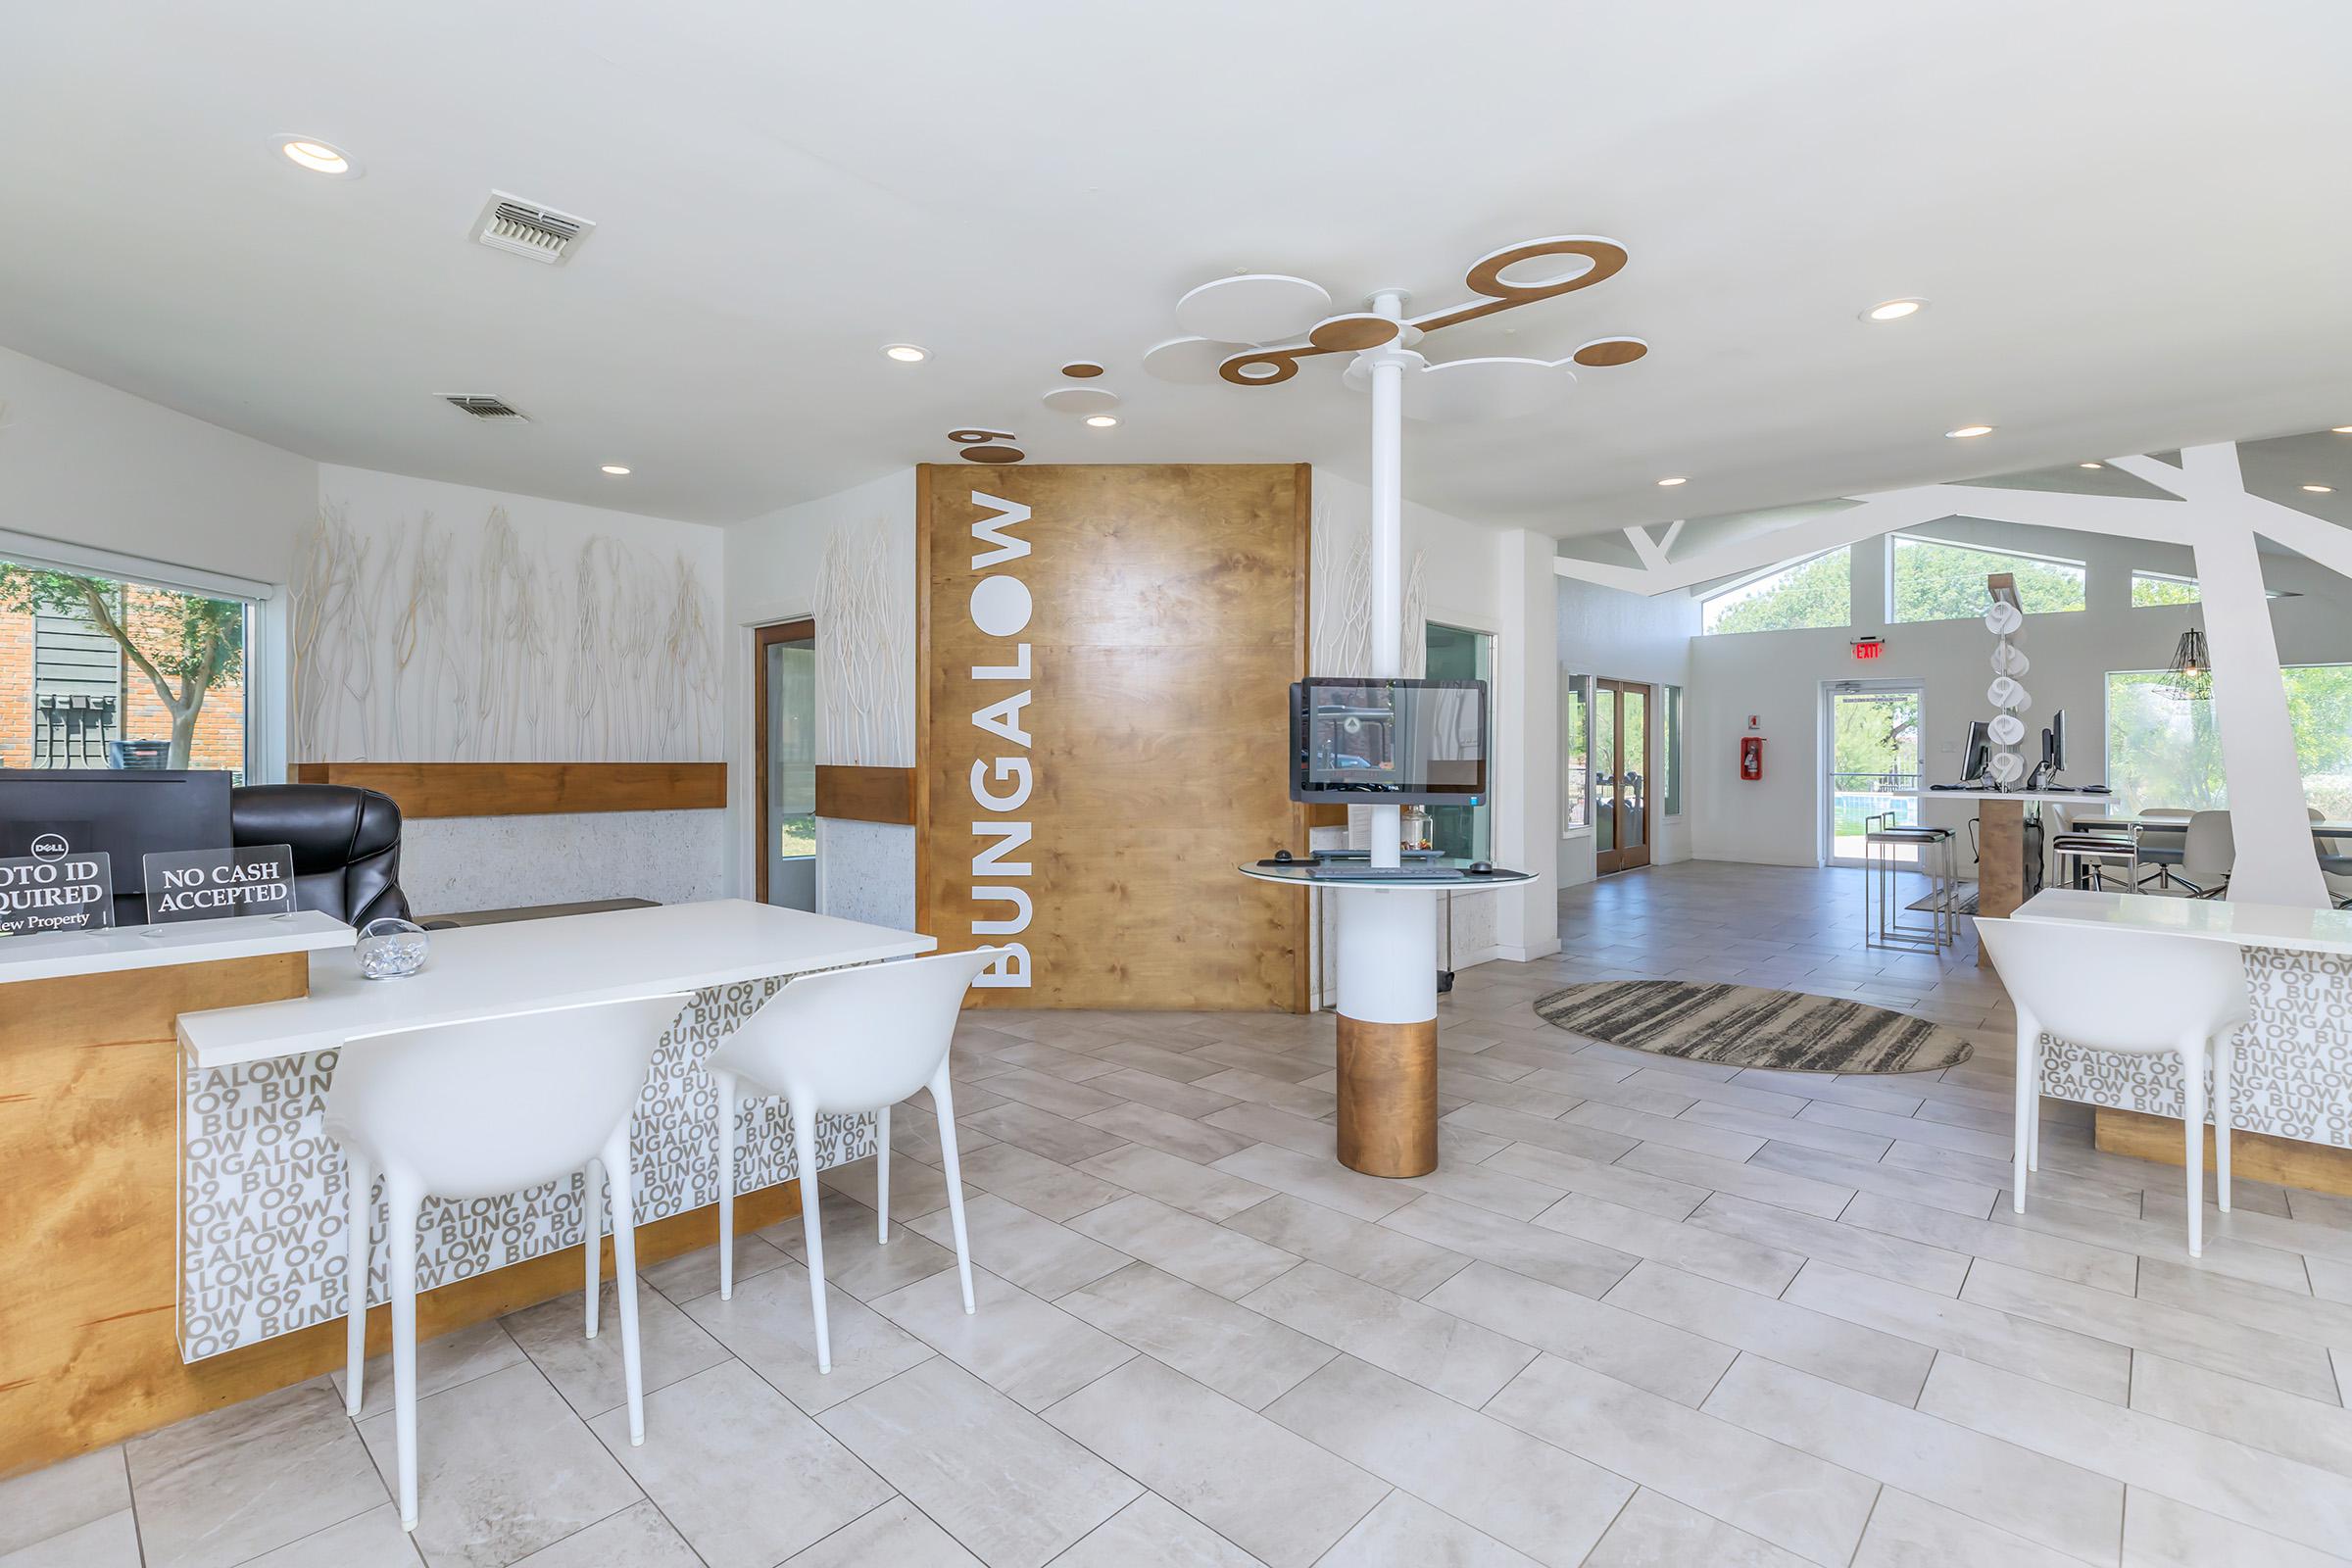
(389, 948)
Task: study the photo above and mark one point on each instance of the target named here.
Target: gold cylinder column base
(1388, 1096)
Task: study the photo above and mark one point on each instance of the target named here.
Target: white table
(262, 1186)
(2293, 1077)
(118, 950)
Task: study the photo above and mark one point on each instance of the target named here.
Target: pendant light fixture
(2191, 671)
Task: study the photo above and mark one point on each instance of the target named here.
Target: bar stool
(2092, 847)
(472, 1111)
(1883, 841)
(2139, 992)
(845, 1043)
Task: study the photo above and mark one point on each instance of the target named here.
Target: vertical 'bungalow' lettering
(1000, 608)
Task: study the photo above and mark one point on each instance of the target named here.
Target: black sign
(55, 889)
(215, 884)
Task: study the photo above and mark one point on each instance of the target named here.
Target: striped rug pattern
(1747, 1026)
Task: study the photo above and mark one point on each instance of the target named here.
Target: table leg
(2001, 861)
(1388, 1066)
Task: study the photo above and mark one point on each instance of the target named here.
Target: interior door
(1870, 746)
(785, 746)
(1620, 775)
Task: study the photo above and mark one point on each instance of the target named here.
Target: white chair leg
(401, 1201)
(730, 1106)
(2033, 1111)
(882, 1172)
(2225, 1052)
(2192, 1116)
(620, 1172)
(2027, 1033)
(803, 1165)
(592, 1236)
(944, 1100)
(362, 1176)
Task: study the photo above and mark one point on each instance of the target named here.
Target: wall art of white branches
(426, 643)
(1339, 566)
(865, 650)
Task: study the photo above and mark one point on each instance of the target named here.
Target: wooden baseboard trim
(531, 789)
(2257, 1157)
(37, 1430)
(866, 793)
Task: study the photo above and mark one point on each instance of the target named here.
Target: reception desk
(171, 1225)
(2292, 1088)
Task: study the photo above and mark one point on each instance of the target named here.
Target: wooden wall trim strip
(866, 793)
(2253, 1157)
(531, 789)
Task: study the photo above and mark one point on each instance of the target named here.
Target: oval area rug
(1747, 1026)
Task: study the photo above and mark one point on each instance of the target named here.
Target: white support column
(1388, 542)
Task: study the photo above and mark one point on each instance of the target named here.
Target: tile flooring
(1644, 1313)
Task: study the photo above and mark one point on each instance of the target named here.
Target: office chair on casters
(846, 1042)
(2208, 855)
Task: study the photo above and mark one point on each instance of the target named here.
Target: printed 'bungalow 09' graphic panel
(1108, 651)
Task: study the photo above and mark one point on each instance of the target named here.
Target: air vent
(526, 229)
(484, 408)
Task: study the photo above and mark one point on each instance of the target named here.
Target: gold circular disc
(1082, 369)
(1345, 334)
(1485, 274)
(992, 454)
(966, 438)
(1611, 351)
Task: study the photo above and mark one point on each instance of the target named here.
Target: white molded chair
(2136, 992)
(2208, 853)
(479, 1109)
(843, 1042)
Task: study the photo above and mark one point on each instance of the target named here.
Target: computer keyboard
(1385, 873)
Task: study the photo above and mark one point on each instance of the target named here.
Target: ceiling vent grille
(483, 407)
(526, 229)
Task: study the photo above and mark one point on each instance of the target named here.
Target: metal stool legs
(1882, 924)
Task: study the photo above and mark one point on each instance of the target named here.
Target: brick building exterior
(220, 725)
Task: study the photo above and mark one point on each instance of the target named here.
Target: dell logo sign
(50, 847)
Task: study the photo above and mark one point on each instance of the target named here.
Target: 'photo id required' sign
(54, 889)
(215, 884)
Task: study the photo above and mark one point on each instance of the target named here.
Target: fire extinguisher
(1751, 757)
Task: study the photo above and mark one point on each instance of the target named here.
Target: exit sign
(1868, 646)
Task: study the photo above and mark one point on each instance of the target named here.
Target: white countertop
(62, 954)
(492, 970)
(2246, 925)
(2051, 797)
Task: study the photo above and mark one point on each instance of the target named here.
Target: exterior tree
(185, 645)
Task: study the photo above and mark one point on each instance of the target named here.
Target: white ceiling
(2127, 215)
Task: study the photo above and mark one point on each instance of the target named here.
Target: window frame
(1579, 689)
(267, 664)
(1750, 579)
(1899, 537)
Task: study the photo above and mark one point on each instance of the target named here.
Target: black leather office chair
(346, 845)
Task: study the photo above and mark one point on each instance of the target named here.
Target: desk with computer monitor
(124, 813)
(2009, 854)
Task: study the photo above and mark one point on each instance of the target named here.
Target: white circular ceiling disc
(1254, 307)
(1462, 391)
(1187, 361)
(1081, 400)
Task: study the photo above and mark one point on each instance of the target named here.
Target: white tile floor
(1646, 1314)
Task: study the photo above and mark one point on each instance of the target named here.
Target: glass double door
(1620, 775)
(786, 751)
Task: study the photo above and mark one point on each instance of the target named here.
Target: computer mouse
(1481, 868)
(1282, 854)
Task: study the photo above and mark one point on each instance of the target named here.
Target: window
(2164, 750)
(1670, 749)
(1930, 579)
(100, 669)
(2159, 588)
(1576, 752)
(1454, 653)
(1818, 591)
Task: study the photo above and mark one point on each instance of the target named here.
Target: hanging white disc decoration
(2002, 617)
(2004, 692)
(2024, 703)
(2006, 729)
(2005, 768)
(2010, 659)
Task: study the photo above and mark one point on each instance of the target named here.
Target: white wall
(1622, 636)
(805, 561)
(1779, 676)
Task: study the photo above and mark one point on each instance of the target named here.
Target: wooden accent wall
(866, 793)
(1164, 610)
(531, 789)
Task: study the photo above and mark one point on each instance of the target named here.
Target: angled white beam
(1653, 558)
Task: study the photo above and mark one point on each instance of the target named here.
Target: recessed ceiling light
(617, 469)
(1102, 422)
(1968, 432)
(2321, 489)
(1677, 479)
(2090, 464)
(906, 353)
(1893, 310)
(318, 156)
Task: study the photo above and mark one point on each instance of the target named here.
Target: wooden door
(1621, 822)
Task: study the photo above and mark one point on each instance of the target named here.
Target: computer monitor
(129, 813)
(1979, 752)
(2053, 745)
